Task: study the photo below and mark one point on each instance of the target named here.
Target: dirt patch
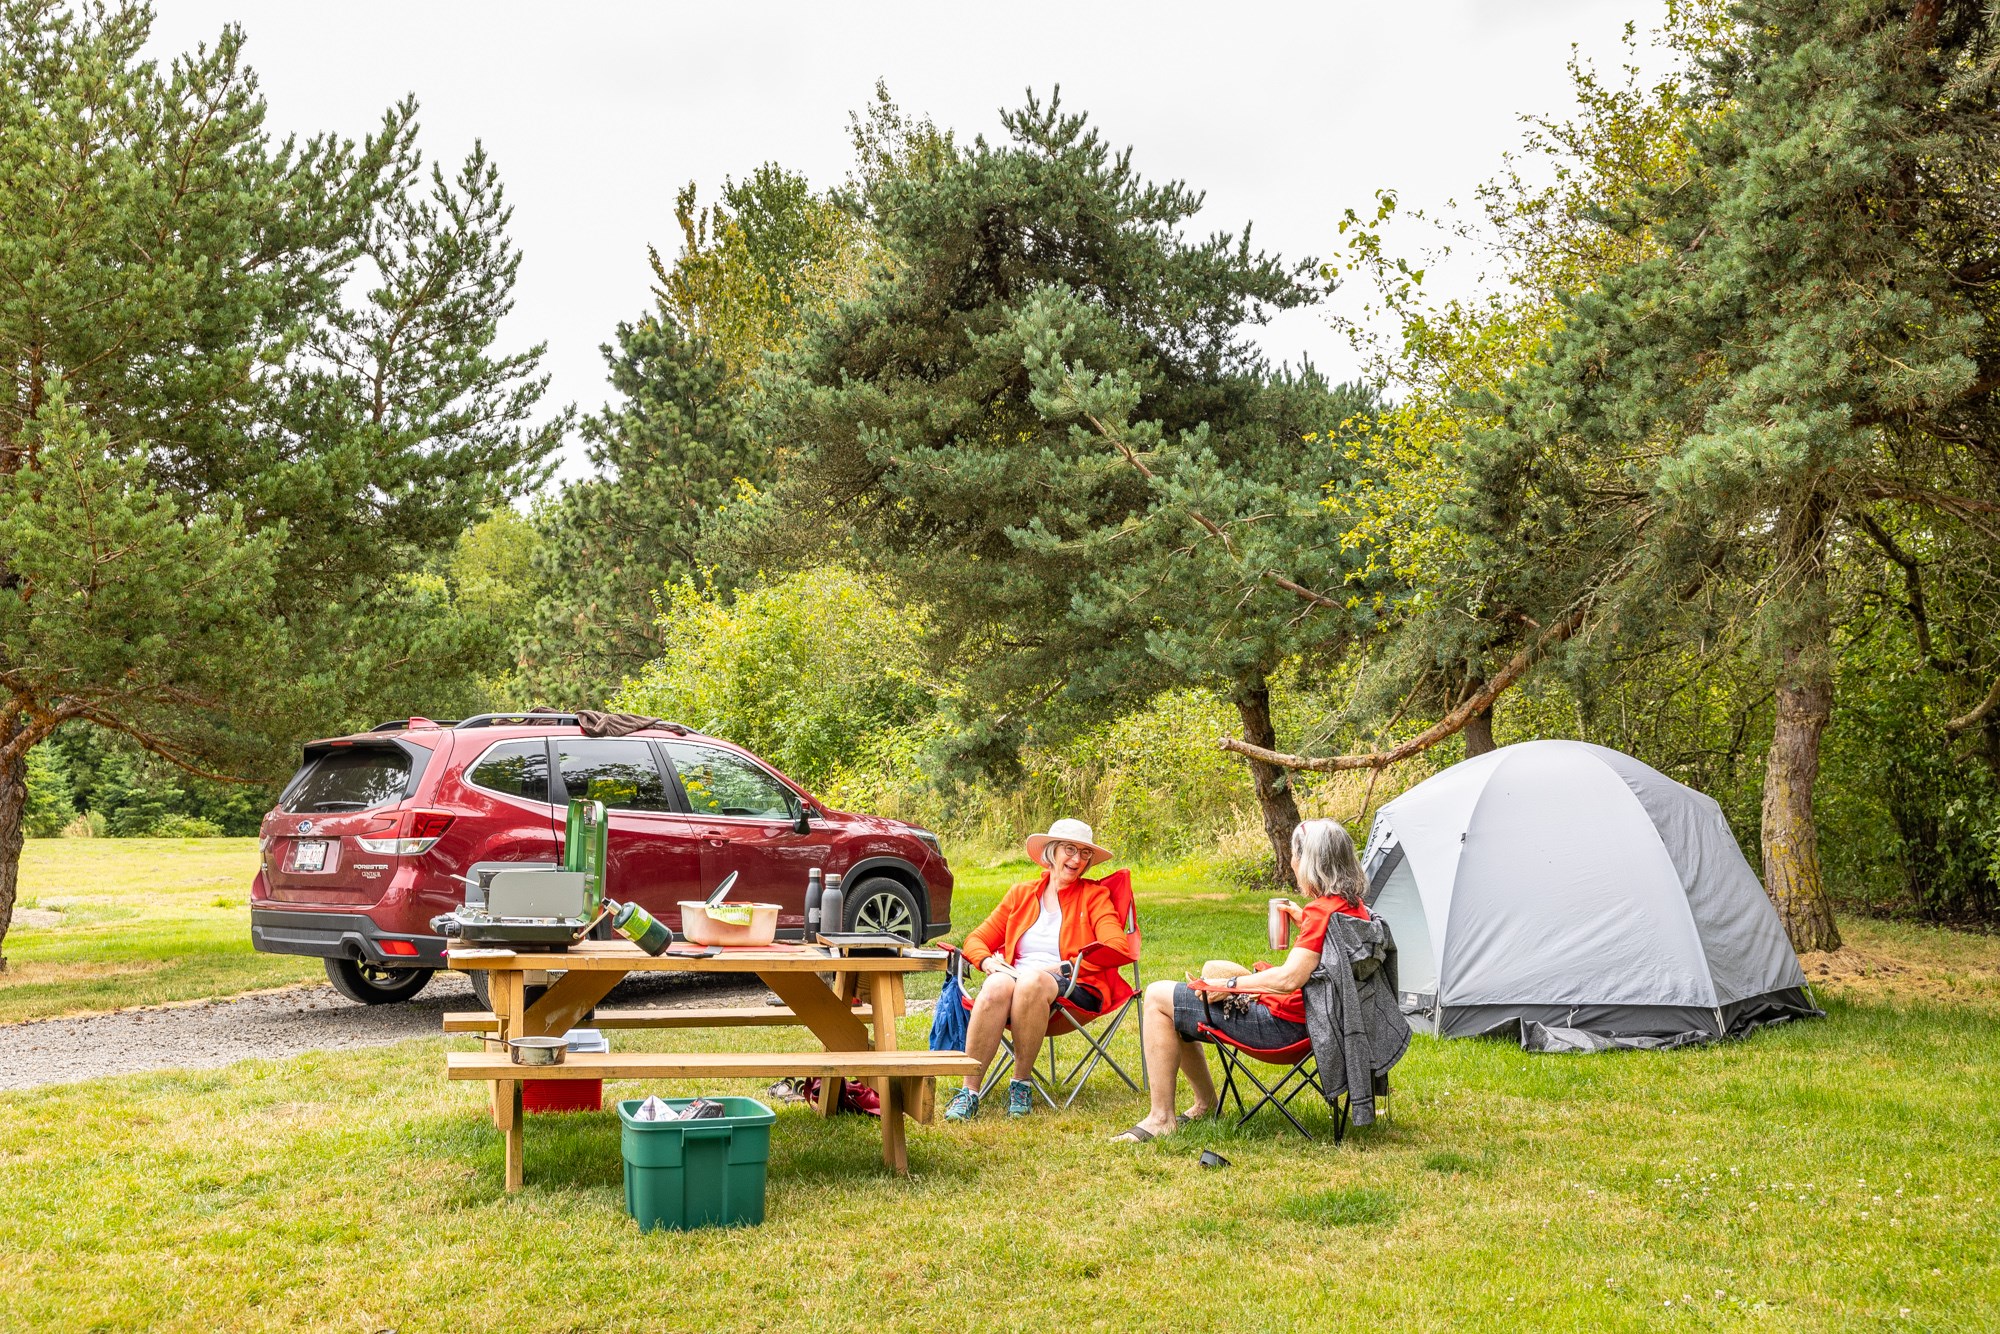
(283, 1022)
(1883, 972)
(36, 918)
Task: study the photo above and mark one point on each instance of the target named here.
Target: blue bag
(948, 1020)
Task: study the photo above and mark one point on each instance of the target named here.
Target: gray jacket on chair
(1357, 1028)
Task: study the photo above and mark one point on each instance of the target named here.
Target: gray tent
(1573, 895)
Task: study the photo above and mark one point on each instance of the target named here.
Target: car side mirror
(803, 824)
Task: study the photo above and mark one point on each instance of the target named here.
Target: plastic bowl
(703, 926)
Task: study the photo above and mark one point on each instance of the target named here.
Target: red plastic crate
(562, 1095)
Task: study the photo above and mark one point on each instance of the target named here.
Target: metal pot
(538, 1051)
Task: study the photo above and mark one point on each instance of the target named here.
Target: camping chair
(1069, 1018)
(1300, 1072)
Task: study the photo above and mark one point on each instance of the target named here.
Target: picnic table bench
(905, 1082)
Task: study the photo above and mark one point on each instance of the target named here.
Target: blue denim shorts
(1241, 1018)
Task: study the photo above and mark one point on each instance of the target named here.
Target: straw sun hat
(1067, 831)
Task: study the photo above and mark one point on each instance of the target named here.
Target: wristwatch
(1231, 984)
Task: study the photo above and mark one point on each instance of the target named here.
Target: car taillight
(430, 824)
(420, 830)
(403, 947)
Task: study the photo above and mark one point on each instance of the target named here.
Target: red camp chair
(1300, 1072)
(1075, 1019)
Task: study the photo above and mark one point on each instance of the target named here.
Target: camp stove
(533, 907)
(529, 909)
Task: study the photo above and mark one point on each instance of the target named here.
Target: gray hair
(1049, 851)
(1323, 856)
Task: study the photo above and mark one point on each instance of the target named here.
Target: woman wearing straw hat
(1034, 950)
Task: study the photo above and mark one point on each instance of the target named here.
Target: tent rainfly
(1572, 895)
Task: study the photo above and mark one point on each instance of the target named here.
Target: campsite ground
(1824, 1176)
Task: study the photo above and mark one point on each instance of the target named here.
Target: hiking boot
(1020, 1097)
(964, 1105)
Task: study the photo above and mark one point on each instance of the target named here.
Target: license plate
(309, 856)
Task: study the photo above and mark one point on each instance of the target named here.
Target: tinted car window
(720, 783)
(621, 774)
(515, 769)
(351, 780)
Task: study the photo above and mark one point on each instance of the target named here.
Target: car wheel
(885, 906)
(372, 984)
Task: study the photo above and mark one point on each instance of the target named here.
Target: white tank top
(1041, 944)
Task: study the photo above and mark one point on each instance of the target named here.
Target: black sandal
(1136, 1135)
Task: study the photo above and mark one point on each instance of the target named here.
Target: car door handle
(717, 838)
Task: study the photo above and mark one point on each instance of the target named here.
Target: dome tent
(1571, 894)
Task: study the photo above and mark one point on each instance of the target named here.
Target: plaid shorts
(1243, 1019)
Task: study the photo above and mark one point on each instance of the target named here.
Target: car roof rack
(549, 719)
(517, 720)
(403, 724)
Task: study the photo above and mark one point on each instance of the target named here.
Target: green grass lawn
(117, 922)
(1833, 1175)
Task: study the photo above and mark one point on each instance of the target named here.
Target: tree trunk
(1479, 733)
(13, 828)
(1792, 874)
(1274, 785)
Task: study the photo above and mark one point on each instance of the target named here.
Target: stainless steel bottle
(832, 908)
(815, 887)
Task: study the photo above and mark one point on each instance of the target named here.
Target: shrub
(184, 826)
(90, 824)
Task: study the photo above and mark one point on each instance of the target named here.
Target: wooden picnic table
(904, 1081)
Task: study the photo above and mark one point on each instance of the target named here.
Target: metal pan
(537, 1051)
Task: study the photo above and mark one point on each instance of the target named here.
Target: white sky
(597, 113)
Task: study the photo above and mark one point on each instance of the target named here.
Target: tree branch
(1966, 722)
(158, 747)
(1208, 525)
(1446, 726)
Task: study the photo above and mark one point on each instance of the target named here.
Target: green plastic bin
(707, 1173)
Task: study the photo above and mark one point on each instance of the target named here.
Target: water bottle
(814, 888)
(831, 906)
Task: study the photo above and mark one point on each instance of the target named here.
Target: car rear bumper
(336, 935)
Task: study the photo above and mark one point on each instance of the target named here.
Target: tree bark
(13, 828)
(1479, 733)
(1273, 784)
(1792, 874)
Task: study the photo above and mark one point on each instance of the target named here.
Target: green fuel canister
(643, 929)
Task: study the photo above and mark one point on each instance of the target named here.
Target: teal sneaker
(1020, 1097)
(964, 1105)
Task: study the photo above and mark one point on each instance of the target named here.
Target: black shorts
(1081, 998)
(1243, 1019)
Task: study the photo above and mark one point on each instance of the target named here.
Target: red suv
(375, 835)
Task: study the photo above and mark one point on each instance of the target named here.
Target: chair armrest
(1100, 955)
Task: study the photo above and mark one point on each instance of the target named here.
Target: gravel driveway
(281, 1023)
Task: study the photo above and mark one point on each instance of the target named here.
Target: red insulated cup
(1277, 924)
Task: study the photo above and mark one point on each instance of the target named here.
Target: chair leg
(993, 1070)
(1229, 1089)
(1272, 1096)
(1098, 1054)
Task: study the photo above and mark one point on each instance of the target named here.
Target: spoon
(721, 891)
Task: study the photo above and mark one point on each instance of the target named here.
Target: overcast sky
(597, 113)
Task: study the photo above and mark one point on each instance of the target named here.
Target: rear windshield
(350, 780)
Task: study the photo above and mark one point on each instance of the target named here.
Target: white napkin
(652, 1109)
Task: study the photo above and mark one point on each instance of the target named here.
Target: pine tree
(1044, 421)
(1809, 340)
(217, 471)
